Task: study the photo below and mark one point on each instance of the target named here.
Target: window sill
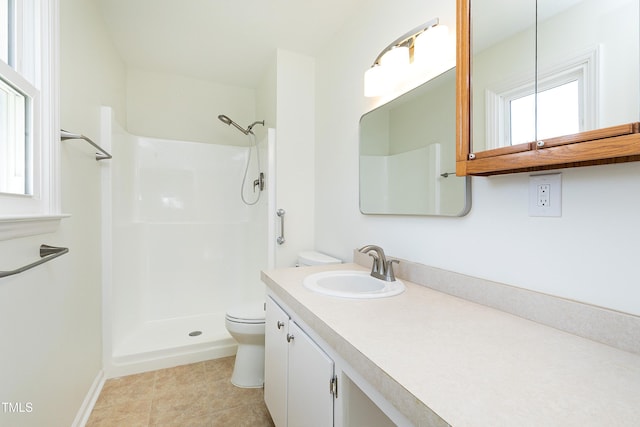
(15, 227)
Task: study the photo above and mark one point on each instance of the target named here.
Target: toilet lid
(251, 312)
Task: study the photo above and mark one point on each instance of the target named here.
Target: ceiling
(227, 42)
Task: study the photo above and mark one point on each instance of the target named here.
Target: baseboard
(89, 401)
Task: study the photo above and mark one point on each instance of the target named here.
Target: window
(14, 145)
(4, 31)
(28, 117)
(563, 105)
(18, 96)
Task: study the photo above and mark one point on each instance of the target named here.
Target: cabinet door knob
(280, 324)
(289, 337)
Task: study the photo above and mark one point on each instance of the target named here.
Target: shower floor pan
(165, 343)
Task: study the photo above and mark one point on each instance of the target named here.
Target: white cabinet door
(276, 362)
(310, 401)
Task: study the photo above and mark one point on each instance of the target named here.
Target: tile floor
(199, 394)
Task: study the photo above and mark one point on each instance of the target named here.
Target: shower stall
(179, 246)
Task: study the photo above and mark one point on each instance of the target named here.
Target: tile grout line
(153, 397)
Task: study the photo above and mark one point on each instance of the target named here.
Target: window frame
(36, 59)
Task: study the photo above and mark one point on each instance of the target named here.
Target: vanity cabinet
(276, 362)
(298, 375)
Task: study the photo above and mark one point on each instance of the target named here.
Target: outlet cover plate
(551, 204)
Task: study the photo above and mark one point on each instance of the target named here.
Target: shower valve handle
(259, 182)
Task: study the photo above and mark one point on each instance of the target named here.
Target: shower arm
(250, 127)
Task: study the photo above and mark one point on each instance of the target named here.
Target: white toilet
(245, 323)
(315, 258)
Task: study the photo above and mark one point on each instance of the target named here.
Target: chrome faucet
(381, 267)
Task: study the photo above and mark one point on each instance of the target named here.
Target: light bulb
(396, 58)
(374, 81)
(430, 47)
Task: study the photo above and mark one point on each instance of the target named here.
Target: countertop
(441, 358)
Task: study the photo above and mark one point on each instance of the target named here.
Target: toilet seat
(251, 313)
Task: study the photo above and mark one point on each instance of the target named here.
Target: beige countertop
(431, 353)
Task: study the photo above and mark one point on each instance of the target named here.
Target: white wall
(50, 316)
(266, 94)
(295, 138)
(589, 254)
(186, 109)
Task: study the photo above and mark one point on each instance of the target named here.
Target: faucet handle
(375, 266)
(389, 275)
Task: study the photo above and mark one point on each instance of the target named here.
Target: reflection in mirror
(407, 154)
(503, 65)
(594, 45)
(576, 70)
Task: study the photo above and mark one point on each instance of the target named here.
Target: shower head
(224, 119)
(227, 121)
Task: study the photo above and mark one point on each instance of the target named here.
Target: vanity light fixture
(415, 54)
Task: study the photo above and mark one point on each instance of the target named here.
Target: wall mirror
(407, 154)
(547, 84)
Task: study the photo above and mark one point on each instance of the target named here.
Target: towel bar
(102, 155)
(47, 253)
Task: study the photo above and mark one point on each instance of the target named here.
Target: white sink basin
(352, 284)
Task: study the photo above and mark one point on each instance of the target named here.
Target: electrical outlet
(545, 195)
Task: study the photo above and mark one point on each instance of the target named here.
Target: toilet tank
(315, 258)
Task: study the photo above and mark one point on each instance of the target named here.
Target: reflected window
(559, 113)
(565, 104)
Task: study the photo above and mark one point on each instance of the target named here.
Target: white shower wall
(197, 236)
(184, 248)
(401, 183)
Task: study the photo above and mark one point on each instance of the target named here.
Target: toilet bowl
(245, 323)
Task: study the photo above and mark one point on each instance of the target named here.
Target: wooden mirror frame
(617, 144)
